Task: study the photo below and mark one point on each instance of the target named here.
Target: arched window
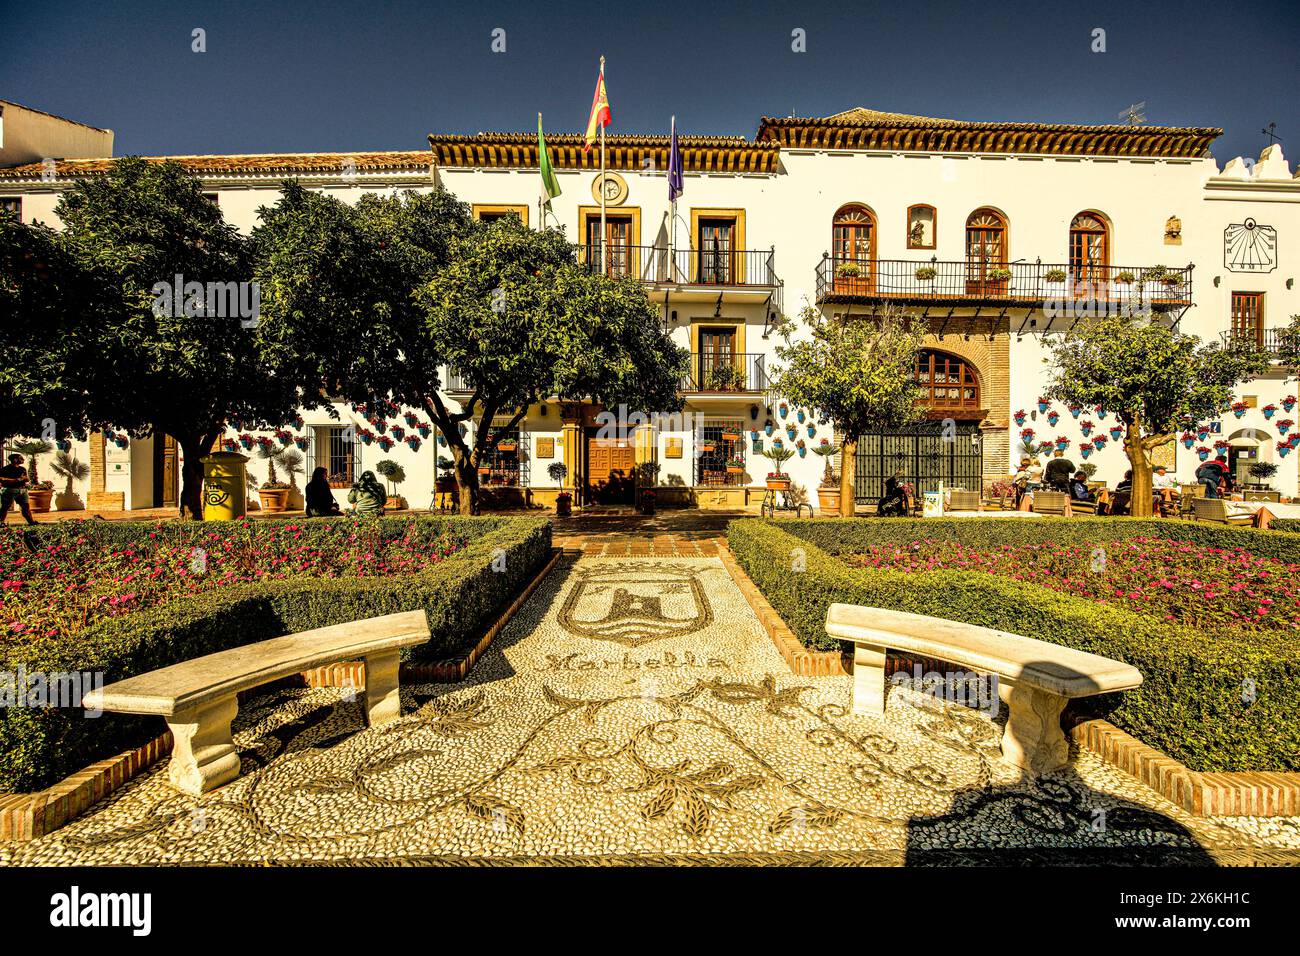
(853, 248)
(949, 386)
(986, 250)
(1089, 249)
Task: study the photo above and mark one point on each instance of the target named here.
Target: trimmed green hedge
(835, 536)
(461, 595)
(1190, 703)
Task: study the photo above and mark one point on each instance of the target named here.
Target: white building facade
(997, 234)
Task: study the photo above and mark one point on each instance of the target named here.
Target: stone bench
(198, 697)
(1035, 678)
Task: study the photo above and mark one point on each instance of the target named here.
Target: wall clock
(1250, 247)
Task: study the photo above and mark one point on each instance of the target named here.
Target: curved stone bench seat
(198, 698)
(1035, 678)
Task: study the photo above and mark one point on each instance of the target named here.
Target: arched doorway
(986, 252)
(853, 249)
(945, 449)
(1089, 251)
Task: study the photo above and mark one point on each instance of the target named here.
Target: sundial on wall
(1250, 247)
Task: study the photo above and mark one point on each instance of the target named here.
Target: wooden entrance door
(166, 472)
(611, 466)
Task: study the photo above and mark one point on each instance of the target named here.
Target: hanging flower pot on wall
(1052, 418)
(1086, 428)
(1288, 403)
(801, 416)
(768, 429)
(1019, 417)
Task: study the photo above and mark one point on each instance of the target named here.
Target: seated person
(367, 495)
(1163, 486)
(1079, 490)
(320, 500)
(1058, 472)
(895, 498)
(1125, 483)
(1212, 475)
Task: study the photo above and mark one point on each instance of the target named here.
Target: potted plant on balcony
(828, 495)
(394, 474)
(731, 433)
(999, 274)
(1125, 277)
(736, 464)
(558, 470)
(724, 378)
(848, 270)
(1056, 276)
(926, 273)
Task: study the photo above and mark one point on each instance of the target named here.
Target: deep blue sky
(367, 74)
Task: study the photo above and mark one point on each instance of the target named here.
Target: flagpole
(604, 242)
(541, 216)
(672, 226)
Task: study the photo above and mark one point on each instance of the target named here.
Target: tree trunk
(848, 465)
(191, 497)
(1139, 505)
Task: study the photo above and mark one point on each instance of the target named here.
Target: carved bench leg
(383, 703)
(203, 755)
(868, 679)
(1033, 739)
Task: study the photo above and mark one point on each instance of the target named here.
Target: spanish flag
(600, 114)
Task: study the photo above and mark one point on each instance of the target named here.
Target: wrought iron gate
(926, 455)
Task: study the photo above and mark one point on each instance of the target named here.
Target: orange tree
(859, 373)
(1154, 379)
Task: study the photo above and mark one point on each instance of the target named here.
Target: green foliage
(520, 320)
(52, 303)
(146, 223)
(860, 374)
(1190, 704)
(461, 596)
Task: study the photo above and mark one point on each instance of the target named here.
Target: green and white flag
(550, 187)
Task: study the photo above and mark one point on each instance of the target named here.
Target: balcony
(1024, 285)
(1266, 340)
(710, 269)
(721, 374)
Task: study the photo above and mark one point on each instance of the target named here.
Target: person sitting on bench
(1057, 474)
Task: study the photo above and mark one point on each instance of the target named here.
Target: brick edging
(26, 816)
(798, 658)
(1253, 794)
(454, 669)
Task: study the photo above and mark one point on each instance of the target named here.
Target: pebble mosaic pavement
(633, 711)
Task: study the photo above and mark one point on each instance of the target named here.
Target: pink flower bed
(67, 584)
(1210, 589)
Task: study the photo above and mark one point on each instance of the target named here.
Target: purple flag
(674, 167)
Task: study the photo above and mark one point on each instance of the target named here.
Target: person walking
(13, 488)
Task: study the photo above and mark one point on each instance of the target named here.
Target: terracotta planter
(563, 506)
(39, 499)
(274, 500)
(735, 469)
(830, 500)
(395, 503)
(776, 485)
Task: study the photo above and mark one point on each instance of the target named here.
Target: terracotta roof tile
(253, 164)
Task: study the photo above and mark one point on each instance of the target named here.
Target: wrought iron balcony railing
(726, 372)
(976, 281)
(658, 265)
(1266, 340)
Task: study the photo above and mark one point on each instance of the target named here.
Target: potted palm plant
(68, 467)
(777, 454)
(828, 495)
(39, 492)
(273, 493)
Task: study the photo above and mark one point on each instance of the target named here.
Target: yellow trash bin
(225, 489)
